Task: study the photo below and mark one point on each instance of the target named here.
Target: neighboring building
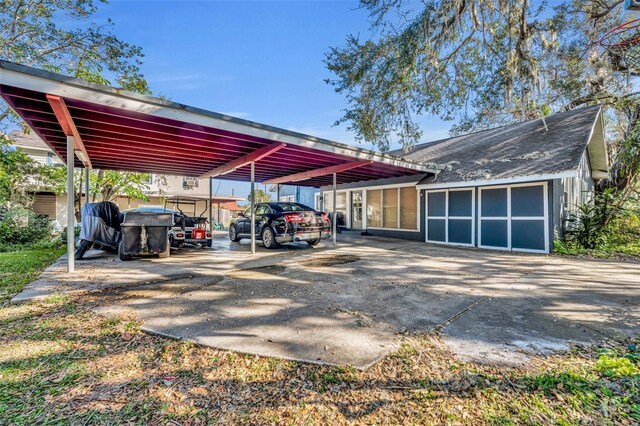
(232, 207)
(35, 148)
(509, 188)
(298, 194)
(163, 189)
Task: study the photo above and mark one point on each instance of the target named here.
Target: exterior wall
(179, 185)
(520, 223)
(570, 193)
(45, 204)
(345, 212)
(43, 156)
(301, 194)
(61, 211)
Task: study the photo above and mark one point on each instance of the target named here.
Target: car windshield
(293, 207)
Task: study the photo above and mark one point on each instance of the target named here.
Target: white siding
(577, 190)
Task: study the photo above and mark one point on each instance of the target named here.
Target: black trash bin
(145, 233)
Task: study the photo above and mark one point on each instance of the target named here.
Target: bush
(592, 227)
(603, 228)
(21, 227)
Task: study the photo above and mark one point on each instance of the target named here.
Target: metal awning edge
(24, 77)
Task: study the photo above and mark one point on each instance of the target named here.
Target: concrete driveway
(346, 305)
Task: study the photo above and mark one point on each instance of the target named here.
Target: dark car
(282, 223)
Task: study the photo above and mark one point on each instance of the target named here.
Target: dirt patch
(169, 287)
(331, 261)
(257, 272)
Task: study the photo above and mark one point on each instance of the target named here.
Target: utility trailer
(145, 233)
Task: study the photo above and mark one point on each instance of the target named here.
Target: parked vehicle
(100, 225)
(278, 223)
(185, 229)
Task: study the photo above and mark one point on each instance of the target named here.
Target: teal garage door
(450, 216)
(514, 217)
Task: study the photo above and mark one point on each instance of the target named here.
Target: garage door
(514, 217)
(450, 216)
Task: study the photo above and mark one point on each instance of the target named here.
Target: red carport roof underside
(122, 139)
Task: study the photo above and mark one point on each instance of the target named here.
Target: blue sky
(258, 60)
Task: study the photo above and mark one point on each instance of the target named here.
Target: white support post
(335, 217)
(70, 207)
(278, 192)
(210, 205)
(253, 213)
(86, 185)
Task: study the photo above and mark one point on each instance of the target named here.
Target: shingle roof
(30, 140)
(516, 150)
(232, 206)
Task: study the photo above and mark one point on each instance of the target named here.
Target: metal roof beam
(69, 128)
(317, 172)
(256, 155)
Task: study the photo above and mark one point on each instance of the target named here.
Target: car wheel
(233, 234)
(210, 243)
(313, 242)
(83, 245)
(268, 239)
(173, 243)
(121, 253)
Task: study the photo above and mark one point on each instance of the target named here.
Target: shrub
(608, 226)
(22, 227)
(593, 225)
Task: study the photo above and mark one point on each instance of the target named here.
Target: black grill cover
(101, 223)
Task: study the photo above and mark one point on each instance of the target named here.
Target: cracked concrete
(346, 305)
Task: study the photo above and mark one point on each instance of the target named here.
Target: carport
(95, 126)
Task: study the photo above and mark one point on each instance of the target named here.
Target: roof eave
(597, 149)
(499, 181)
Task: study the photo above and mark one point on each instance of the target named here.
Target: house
(298, 194)
(161, 189)
(507, 188)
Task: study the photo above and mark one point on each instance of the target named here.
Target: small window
(408, 208)
(390, 208)
(374, 208)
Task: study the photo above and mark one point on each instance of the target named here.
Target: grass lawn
(62, 364)
(19, 268)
